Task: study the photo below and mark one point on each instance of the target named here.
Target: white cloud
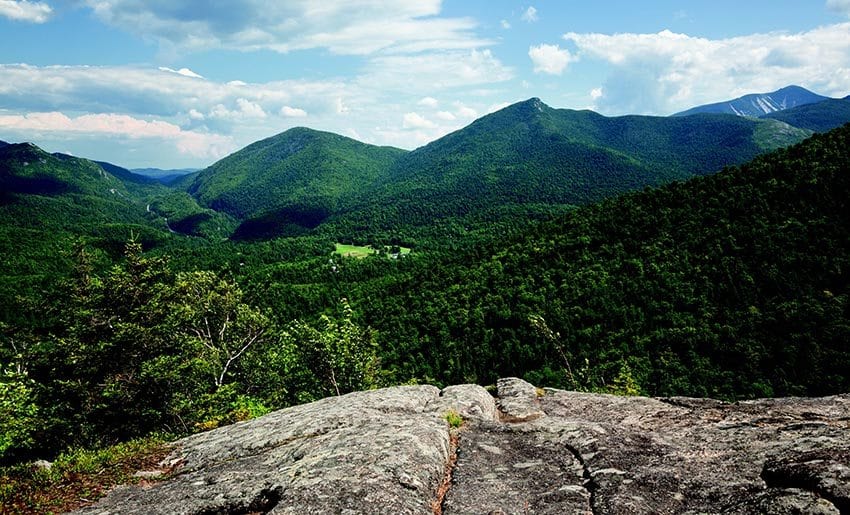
(464, 111)
(292, 112)
(428, 102)
(839, 6)
(244, 109)
(186, 72)
(445, 116)
(550, 59)
(341, 108)
(596, 93)
(23, 10)
(336, 25)
(667, 72)
(530, 14)
(118, 125)
(415, 121)
(505, 24)
(145, 91)
(424, 73)
(497, 107)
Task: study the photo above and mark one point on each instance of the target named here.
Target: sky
(183, 83)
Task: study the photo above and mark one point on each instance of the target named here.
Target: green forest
(128, 311)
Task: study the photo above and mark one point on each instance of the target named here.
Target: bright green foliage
(340, 354)
(454, 419)
(18, 411)
(624, 383)
(217, 325)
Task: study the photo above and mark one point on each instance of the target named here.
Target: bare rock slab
(525, 451)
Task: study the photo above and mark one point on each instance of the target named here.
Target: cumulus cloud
(373, 25)
(464, 111)
(596, 93)
(435, 71)
(667, 72)
(839, 6)
(530, 14)
(550, 59)
(428, 102)
(445, 116)
(242, 110)
(118, 125)
(505, 24)
(416, 121)
(23, 10)
(292, 112)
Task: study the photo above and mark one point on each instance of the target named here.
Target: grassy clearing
(353, 250)
(79, 477)
(359, 252)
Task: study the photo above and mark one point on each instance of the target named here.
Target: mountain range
(525, 154)
(522, 157)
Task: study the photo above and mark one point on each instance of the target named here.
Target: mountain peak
(533, 103)
(759, 104)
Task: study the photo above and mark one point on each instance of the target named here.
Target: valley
(702, 255)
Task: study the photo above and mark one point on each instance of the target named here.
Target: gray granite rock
(389, 451)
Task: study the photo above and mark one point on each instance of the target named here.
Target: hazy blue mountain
(164, 176)
(760, 104)
(818, 117)
(124, 174)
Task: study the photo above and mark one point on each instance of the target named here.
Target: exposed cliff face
(391, 451)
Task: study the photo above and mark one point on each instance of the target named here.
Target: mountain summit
(760, 104)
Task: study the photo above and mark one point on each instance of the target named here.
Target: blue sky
(180, 83)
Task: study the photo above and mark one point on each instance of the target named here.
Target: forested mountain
(294, 179)
(759, 104)
(47, 200)
(529, 153)
(731, 285)
(817, 117)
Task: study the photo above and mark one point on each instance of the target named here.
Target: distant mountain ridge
(759, 104)
(164, 176)
(818, 117)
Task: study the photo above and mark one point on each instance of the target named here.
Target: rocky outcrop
(525, 451)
